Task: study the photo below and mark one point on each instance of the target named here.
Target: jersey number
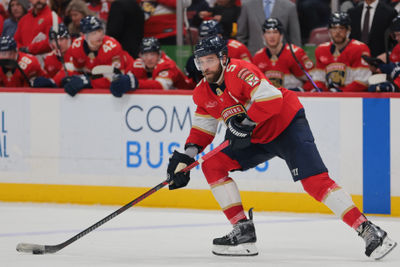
(108, 46)
(24, 62)
(231, 68)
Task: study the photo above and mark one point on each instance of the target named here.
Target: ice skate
(377, 242)
(240, 242)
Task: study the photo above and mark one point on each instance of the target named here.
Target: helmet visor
(203, 63)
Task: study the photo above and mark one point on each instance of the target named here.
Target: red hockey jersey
(166, 75)
(54, 68)
(238, 50)
(32, 31)
(282, 70)
(271, 108)
(30, 66)
(110, 53)
(346, 68)
(395, 55)
(160, 18)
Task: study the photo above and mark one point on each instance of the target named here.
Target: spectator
(369, 23)
(160, 19)
(17, 69)
(152, 70)
(193, 12)
(76, 10)
(58, 62)
(349, 4)
(226, 13)
(31, 35)
(253, 15)
(277, 62)
(59, 6)
(16, 9)
(339, 66)
(100, 8)
(235, 48)
(396, 5)
(312, 14)
(123, 14)
(94, 48)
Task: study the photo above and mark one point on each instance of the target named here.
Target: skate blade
(246, 249)
(381, 251)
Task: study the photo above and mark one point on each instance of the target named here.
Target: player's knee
(319, 186)
(218, 167)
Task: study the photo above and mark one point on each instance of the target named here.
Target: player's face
(150, 59)
(16, 9)
(338, 34)
(8, 55)
(210, 67)
(76, 17)
(63, 43)
(272, 37)
(397, 36)
(95, 39)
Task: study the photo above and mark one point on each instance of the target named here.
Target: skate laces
(370, 232)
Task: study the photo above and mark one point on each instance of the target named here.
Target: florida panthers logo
(275, 77)
(336, 73)
(148, 8)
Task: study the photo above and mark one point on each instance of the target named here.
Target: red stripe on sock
(235, 214)
(354, 218)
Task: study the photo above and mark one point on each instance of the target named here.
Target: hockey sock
(227, 195)
(223, 187)
(325, 190)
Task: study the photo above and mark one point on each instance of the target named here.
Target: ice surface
(173, 237)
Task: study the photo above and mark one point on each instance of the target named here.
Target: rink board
(95, 148)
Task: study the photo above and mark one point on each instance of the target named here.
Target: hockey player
(276, 60)
(18, 69)
(339, 66)
(58, 62)
(152, 70)
(94, 48)
(235, 48)
(262, 122)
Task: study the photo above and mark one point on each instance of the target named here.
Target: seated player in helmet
(277, 62)
(92, 49)
(235, 48)
(339, 65)
(152, 70)
(58, 62)
(18, 69)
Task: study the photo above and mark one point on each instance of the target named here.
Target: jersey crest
(275, 77)
(336, 73)
(249, 77)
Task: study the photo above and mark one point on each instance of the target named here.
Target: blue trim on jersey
(376, 155)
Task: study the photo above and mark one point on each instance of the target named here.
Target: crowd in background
(131, 32)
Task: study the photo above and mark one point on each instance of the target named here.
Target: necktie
(267, 8)
(365, 30)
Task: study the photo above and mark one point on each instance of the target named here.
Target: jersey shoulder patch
(248, 76)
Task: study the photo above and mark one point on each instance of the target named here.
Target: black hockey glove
(123, 83)
(238, 134)
(73, 84)
(42, 82)
(382, 87)
(177, 162)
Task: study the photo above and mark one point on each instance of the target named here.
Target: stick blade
(31, 248)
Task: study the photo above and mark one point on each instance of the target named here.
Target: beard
(39, 6)
(213, 76)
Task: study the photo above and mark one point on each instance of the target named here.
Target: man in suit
(369, 22)
(126, 24)
(255, 12)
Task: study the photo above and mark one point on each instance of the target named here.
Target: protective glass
(203, 63)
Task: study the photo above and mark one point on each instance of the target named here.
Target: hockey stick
(14, 64)
(46, 249)
(55, 26)
(298, 62)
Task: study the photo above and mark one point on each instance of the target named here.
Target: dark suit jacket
(126, 24)
(384, 14)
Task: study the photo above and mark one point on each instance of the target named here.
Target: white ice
(173, 237)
